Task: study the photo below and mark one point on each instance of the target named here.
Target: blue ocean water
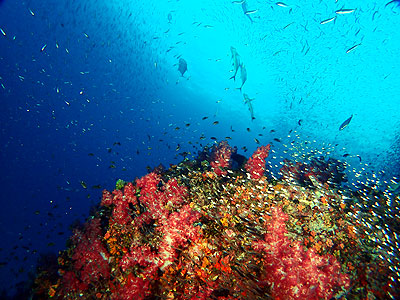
(91, 93)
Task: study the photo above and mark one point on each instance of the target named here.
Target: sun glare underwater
(200, 149)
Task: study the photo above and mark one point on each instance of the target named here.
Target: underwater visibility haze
(199, 149)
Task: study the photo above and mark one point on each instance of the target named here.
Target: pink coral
(221, 156)
(157, 200)
(255, 165)
(150, 195)
(291, 271)
(120, 213)
(174, 194)
(148, 183)
(90, 257)
(137, 287)
(138, 255)
(130, 193)
(177, 227)
(107, 198)
(134, 288)
(177, 230)
(120, 199)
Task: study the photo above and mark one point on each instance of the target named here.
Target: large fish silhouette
(247, 101)
(182, 66)
(236, 62)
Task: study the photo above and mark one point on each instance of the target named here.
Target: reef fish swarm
(202, 230)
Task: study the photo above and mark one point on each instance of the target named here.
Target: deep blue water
(90, 92)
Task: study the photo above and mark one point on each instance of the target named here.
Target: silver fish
(352, 48)
(245, 10)
(345, 123)
(247, 101)
(235, 61)
(243, 75)
(328, 20)
(249, 12)
(344, 11)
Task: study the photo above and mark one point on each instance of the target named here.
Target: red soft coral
(221, 157)
(137, 287)
(71, 283)
(133, 288)
(121, 200)
(174, 194)
(157, 200)
(150, 195)
(255, 165)
(291, 271)
(90, 257)
(107, 198)
(138, 255)
(177, 230)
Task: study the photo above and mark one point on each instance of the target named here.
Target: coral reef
(204, 231)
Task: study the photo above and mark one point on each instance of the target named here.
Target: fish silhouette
(182, 66)
(345, 123)
(247, 101)
(243, 75)
(245, 10)
(393, 2)
(236, 62)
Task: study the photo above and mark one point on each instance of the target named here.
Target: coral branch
(255, 165)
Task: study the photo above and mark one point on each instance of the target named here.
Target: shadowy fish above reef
(182, 66)
(247, 101)
(236, 62)
(190, 231)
